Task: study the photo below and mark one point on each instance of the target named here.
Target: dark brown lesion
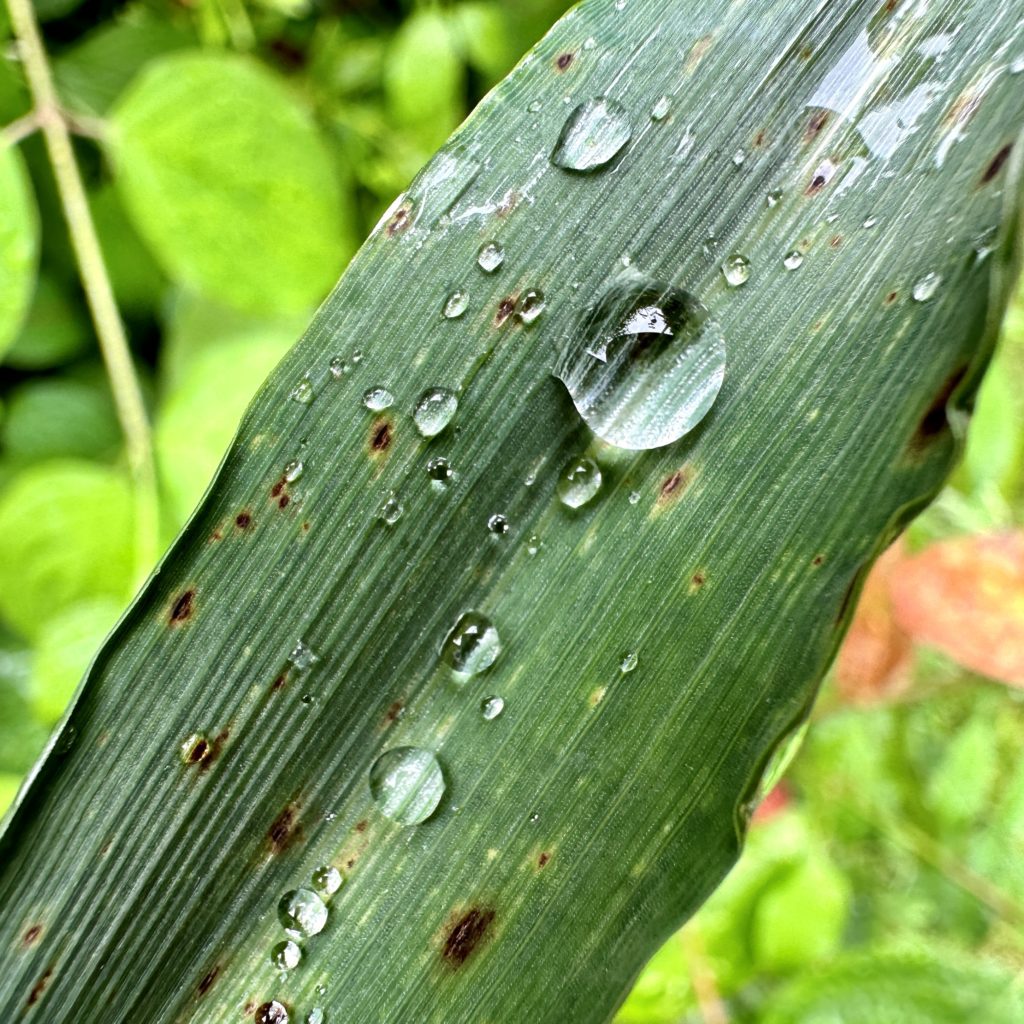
(39, 987)
(466, 935)
(399, 222)
(506, 308)
(182, 607)
(285, 830)
(207, 980)
(564, 61)
(381, 435)
(31, 934)
(997, 163)
(675, 484)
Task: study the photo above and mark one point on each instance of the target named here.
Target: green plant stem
(131, 410)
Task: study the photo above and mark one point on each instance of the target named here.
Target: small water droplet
(338, 367)
(378, 399)
(870, 222)
(328, 879)
(534, 818)
(285, 956)
(793, 259)
(620, 5)
(490, 257)
(579, 482)
(302, 392)
(391, 511)
(455, 305)
(589, 43)
(271, 1013)
(472, 646)
(302, 656)
(530, 306)
(634, 497)
(498, 524)
(439, 469)
(491, 707)
(302, 912)
(316, 1016)
(533, 544)
(661, 109)
(293, 470)
(593, 134)
(434, 411)
(739, 158)
(307, 698)
(629, 662)
(357, 357)
(406, 784)
(926, 288)
(1017, 66)
(774, 197)
(646, 365)
(736, 270)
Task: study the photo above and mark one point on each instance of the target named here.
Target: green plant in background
(631, 623)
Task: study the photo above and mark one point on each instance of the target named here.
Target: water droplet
(739, 158)
(406, 784)
(316, 1016)
(535, 107)
(439, 469)
(661, 109)
(455, 305)
(870, 222)
(736, 270)
(620, 5)
(328, 879)
(589, 43)
(378, 399)
(286, 955)
(774, 197)
(793, 259)
(302, 392)
(646, 366)
(579, 482)
(634, 497)
(357, 357)
(391, 511)
(490, 257)
(271, 1013)
(302, 656)
(926, 288)
(491, 707)
(533, 544)
(592, 135)
(307, 698)
(530, 306)
(293, 471)
(302, 912)
(629, 662)
(534, 818)
(1017, 66)
(472, 646)
(498, 524)
(434, 411)
(338, 367)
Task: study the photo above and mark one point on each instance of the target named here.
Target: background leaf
(19, 243)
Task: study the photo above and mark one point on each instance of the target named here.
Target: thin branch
(21, 128)
(131, 410)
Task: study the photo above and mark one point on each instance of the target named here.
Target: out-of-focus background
(235, 153)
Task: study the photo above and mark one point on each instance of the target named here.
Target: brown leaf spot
(39, 987)
(249, 1009)
(759, 139)
(564, 60)
(380, 436)
(285, 830)
(283, 501)
(675, 485)
(815, 125)
(506, 308)
(181, 610)
(305, 526)
(32, 934)
(361, 825)
(279, 682)
(697, 580)
(393, 712)
(217, 534)
(508, 203)
(698, 52)
(198, 751)
(243, 520)
(465, 936)
(835, 241)
(399, 221)
(207, 980)
(997, 164)
(277, 488)
(891, 298)
(818, 560)
(543, 859)
(935, 421)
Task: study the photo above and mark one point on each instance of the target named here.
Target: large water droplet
(661, 109)
(302, 912)
(285, 956)
(378, 399)
(302, 392)
(592, 135)
(530, 306)
(491, 707)
(328, 879)
(498, 524)
(793, 259)
(434, 411)
(271, 1013)
(579, 482)
(455, 305)
(647, 365)
(302, 655)
(490, 257)
(316, 1016)
(926, 288)
(407, 784)
(293, 470)
(391, 511)
(439, 469)
(736, 270)
(472, 646)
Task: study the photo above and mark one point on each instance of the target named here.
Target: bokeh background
(235, 153)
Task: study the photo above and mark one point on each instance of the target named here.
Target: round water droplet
(490, 257)
(491, 707)
(439, 469)
(328, 879)
(293, 470)
(530, 306)
(391, 511)
(302, 392)
(793, 259)
(498, 524)
(434, 411)
(661, 109)
(406, 784)
(579, 482)
(739, 158)
(357, 357)
(378, 399)
(629, 662)
(535, 107)
(774, 197)
(592, 135)
(338, 367)
(302, 912)
(316, 1016)
(455, 305)
(286, 955)
(271, 1013)
(926, 288)
(302, 656)
(472, 646)
(646, 366)
(736, 270)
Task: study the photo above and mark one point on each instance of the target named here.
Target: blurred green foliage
(235, 154)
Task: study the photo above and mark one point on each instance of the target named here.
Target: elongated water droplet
(302, 656)
(592, 135)
(302, 912)
(793, 259)
(303, 392)
(491, 707)
(271, 1013)
(455, 305)
(434, 411)
(328, 879)
(926, 288)
(661, 109)
(293, 471)
(870, 222)
(472, 646)
(736, 270)
(490, 257)
(316, 1016)
(629, 662)
(646, 366)
(530, 306)
(406, 784)
(439, 469)
(391, 511)
(286, 955)
(579, 482)
(378, 399)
